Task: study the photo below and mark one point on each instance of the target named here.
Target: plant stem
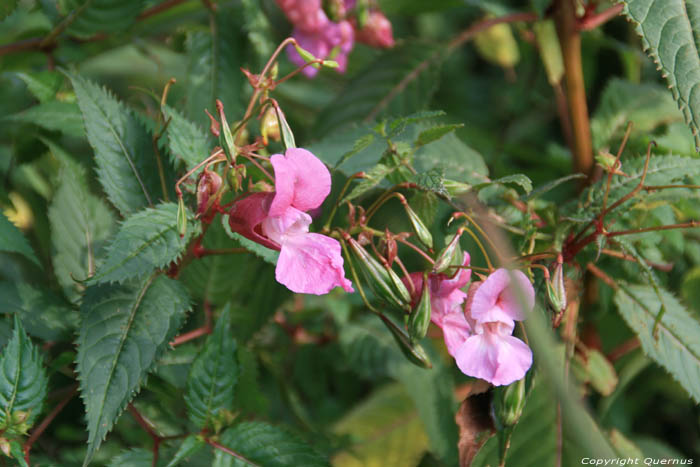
(47, 421)
(570, 41)
(229, 452)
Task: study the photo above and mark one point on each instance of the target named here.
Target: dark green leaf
(190, 445)
(266, 445)
(54, 115)
(45, 315)
(435, 133)
(133, 458)
(372, 178)
(42, 84)
(23, 382)
(125, 328)
(456, 158)
(213, 377)
(187, 141)
(540, 190)
(518, 179)
(678, 345)
(12, 240)
(146, 241)
(126, 165)
(95, 16)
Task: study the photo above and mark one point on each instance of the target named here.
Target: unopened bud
(269, 126)
(384, 282)
(419, 320)
(362, 13)
(181, 217)
(609, 162)
(208, 187)
(411, 350)
(226, 140)
(287, 135)
(235, 177)
(497, 45)
(19, 416)
(418, 226)
(5, 447)
(556, 292)
(449, 255)
(508, 403)
(375, 31)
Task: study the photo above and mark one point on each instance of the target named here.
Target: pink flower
(305, 15)
(308, 262)
(480, 339)
(377, 31)
(338, 37)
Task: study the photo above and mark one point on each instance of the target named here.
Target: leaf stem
(230, 452)
(37, 432)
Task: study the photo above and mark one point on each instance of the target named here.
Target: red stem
(47, 421)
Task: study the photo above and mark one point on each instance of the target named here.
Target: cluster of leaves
(100, 288)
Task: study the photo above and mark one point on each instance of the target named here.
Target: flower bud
(383, 282)
(556, 292)
(181, 217)
(235, 177)
(449, 255)
(419, 320)
(376, 31)
(508, 403)
(226, 140)
(411, 350)
(498, 46)
(19, 416)
(208, 186)
(609, 163)
(269, 126)
(418, 226)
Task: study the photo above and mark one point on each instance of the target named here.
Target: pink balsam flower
(331, 41)
(377, 31)
(480, 339)
(308, 262)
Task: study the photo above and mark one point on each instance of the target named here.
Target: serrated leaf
(647, 105)
(435, 133)
(213, 69)
(80, 224)
(372, 178)
(518, 179)
(146, 241)
(125, 329)
(397, 125)
(540, 190)
(190, 445)
(23, 381)
(126, 165)
(12, 240)
(213, 376)
(133, 458)
(42, 84)
(266, 445)
(360, 145)
(454, 157)
(670, 30)
(106, 16)
(187, 141)
(385, 431)
(46, 315)
(678, 345)
(400, 81)
(53, 115)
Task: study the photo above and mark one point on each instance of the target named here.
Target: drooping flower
(377, 31)
(480, 339)
(308, 262)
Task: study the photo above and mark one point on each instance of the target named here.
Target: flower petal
(495, 299)
(498, 359)
(455, 330)
(511, 297)
(301, 181)
(246, 216)
(291, 222)
(311, 263)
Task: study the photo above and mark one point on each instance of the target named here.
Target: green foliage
(187, 141)
(126, 165)
(190, 445)
(94, 16)
(80, 222)
(23, 383)
(64, 117)
(676, 347)
(42, 84)
(267, 445)
(400, 81)
(435, 133)
(125, 329)
(46, 315)
(12, 240)
(146, 241)
(213, 377)
(516, 179)
(670, 31)
(133, 458)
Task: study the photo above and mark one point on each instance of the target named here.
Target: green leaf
(42, 84)
(53, 115)
(647, 105)
(146, 241)
(23, 382)
(454, 157)
(678, 345)
(190, 445)
(266, 445)
(45, 315)
(125, 329)
(400, 81)
(7, 7)
(518, 179)
(360, 145)
(670, 31)
(213, 377)
(12, 240)
(80, 224)
(540, 190)
(213, 68)
(126, 165)
(187, 141)
(435, 133)
(106, 16)
(372, 178)
(385, 430)
(133, 458)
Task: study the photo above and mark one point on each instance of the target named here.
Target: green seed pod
(556, 292)
(385, 284)
(226, 140)
(448, 256)
(411, 350)
(508, 403)
(181, 218)
(419, 320)
(419, 227)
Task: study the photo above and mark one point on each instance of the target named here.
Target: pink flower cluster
(479, 337)
(322, 37)
(308, 262)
